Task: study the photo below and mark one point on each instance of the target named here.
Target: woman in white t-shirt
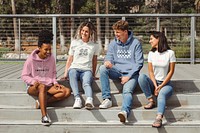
(161, 65)
(81, 63)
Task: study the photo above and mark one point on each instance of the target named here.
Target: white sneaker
(122, 116)
(89, 103)
(77, 103)
(105, 104)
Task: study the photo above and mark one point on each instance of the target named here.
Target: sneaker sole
(105, 107)
(76, 107)
(89, 106)
(46, 124)
(102, 108)
(122, 118)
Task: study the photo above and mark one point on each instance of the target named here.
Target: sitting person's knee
(141, 77)
(42, 88)
(67, 92)
(102, 68)
(72, 71)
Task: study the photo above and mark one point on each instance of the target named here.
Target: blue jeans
(86, 78)
(128, 87)
(148, 88)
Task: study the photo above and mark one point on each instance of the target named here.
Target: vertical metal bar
(192, 41)
(72, 20)
(19, 27)
(72, 29)
(106, 27)
(171, 8)
(54, 37)
(158, 24)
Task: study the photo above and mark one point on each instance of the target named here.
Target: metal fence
(182, 31)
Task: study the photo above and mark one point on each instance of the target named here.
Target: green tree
(125, 6)
(87, 8)
(60, 8)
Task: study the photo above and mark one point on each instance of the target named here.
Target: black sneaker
(45, 121)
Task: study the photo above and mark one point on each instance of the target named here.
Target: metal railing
(182, 31)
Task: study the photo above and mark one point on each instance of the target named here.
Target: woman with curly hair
(81, 63)
(39, 73)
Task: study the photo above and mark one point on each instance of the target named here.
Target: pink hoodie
(37, 69)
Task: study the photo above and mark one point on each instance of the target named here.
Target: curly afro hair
(45, 36)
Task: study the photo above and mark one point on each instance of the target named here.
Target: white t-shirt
(83, 54)
(160, 62)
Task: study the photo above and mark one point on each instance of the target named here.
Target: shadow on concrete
(186, 86)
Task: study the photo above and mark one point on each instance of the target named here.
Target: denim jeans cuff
(106, 98)
(160, 113)
(151, 96)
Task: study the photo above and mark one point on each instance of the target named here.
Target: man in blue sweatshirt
(123, 61)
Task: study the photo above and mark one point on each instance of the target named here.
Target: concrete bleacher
(18, 113)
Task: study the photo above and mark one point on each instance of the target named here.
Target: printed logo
(124, 54)
(83, 52)
(42, 71)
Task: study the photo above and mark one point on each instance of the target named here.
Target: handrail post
(158, 24)
(192, 41)
(54, 37)
(19, 32)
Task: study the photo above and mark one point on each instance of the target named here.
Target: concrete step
(68, 114)
(112, 127)
(17, 113)
(179, 85)
(24, 100)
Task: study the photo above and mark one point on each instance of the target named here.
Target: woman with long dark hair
(161, 65)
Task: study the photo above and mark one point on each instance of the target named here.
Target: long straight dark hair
(162, 43)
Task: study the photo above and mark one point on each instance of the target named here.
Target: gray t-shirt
(83, 54)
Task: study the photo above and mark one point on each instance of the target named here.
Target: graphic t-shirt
(160, 62)
(83, 54)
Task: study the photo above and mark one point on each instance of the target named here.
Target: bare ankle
(150, 100)
(159, 116)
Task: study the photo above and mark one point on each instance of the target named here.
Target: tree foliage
(88, 6)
